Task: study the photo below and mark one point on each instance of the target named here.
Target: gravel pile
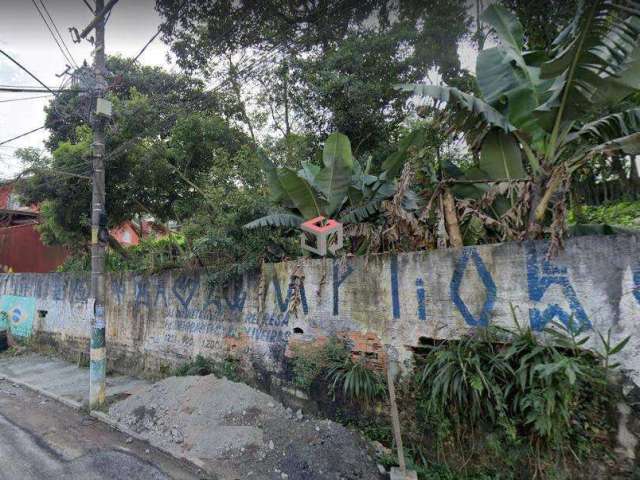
(237, 432)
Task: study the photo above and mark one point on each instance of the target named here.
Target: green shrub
(333, 362)
(356, 380)
(626, 214)
(516, 380)
(229, 367)
(510, 401)
(200, 366)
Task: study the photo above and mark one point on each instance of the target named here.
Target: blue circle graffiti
(16, 315)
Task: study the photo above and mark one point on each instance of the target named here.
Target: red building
(21, 249)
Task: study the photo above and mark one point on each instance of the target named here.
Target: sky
(24, 36)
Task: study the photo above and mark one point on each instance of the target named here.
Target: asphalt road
(42, 439)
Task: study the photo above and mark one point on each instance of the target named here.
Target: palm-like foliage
(340, 187)
(534, 104)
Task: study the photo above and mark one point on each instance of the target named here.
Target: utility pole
(99, 233)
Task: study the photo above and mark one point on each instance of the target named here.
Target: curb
(69, 403)
(107, 420)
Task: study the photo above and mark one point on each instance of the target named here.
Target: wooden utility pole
(99, 233)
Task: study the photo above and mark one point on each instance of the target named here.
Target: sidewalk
(62, 380)
(228, 429)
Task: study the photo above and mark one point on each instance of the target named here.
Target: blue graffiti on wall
(487, 282)
(211, 299)
(236, 296)
(79, 290)
(142, 296)
(422, 302)
(161, 293)
(636, 282)
(184, 289)
(395, 290)
(117, 288)
(283, 303)
(542, 274)
(338, 278)
(57, 292)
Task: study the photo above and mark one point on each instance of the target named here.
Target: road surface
(42, 439)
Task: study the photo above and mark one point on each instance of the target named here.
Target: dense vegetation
(496, 404)
(506, 154)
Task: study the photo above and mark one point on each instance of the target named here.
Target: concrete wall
(376, 301)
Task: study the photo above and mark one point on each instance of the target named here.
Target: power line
(89, 6)
(27, 71)
(24, 98)
(16, 89)
(155, 35)
(22, 135)
(53, 35)
(59, 34)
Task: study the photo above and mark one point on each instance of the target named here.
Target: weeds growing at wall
(497, 404)
(333, 365)
(229, 367)
(510, 401)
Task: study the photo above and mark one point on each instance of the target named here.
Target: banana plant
(533, 117)
(339, 188)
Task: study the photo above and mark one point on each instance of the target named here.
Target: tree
(544, 19)
(534, 119)
(154, 151)
(169, 93)
(318, 66)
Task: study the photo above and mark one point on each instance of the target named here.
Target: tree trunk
(451, 219)
(533, 227)
(634, 178)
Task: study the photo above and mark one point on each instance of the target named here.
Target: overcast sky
(24, 36)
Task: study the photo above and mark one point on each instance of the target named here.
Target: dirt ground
(238, 432)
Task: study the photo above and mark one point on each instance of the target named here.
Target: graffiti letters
(142, 296)
(161, 294)
(339, 276)
(57, 292)
(283, 304)
(395, 291)
(636, 282)
(236, 297)
(117, 288)
(184, 288)
(422, 303)
(79, 290)
(486, 280)
(542, 274)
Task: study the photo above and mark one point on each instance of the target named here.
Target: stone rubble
(235, 431)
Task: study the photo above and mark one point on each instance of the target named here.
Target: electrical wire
(155, 35)
(24, 98)
(75, 64)
(89, 6)
(21, 135)
(27, 71)
(53, 35)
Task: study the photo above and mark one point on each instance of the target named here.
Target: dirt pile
(238, 432)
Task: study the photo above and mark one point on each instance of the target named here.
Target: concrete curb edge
(107, 420)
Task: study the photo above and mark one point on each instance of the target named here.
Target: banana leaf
(334, 179)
